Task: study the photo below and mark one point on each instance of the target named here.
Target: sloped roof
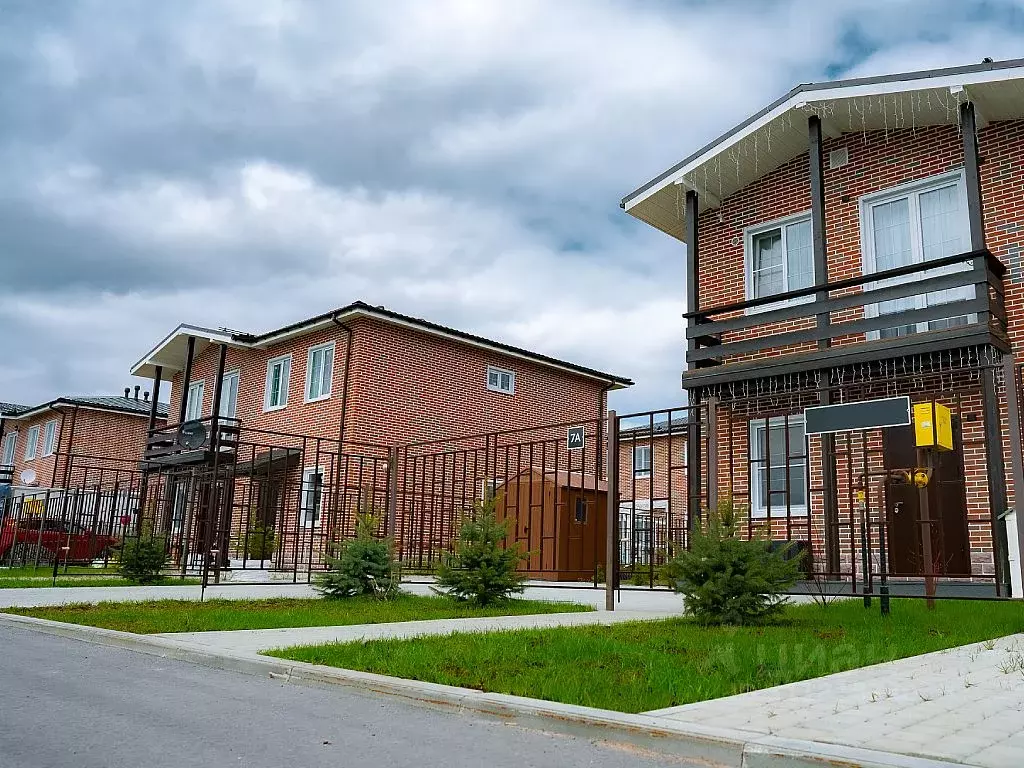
(778, 133)
(117, 403)
(660, 428)
(169, 353)
(11, 409)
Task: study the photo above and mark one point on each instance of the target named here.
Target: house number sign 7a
(575, 437)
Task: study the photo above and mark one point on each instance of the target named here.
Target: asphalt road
(68, 703)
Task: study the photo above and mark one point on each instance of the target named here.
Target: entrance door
(946, 509)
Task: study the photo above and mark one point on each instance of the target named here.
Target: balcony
(6, 474)
(192, 442)
(946, 304)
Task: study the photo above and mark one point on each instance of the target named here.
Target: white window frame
(499, 372)
(758, 506)
(49, 437)
(237, 376)
(193, 400)
(306, 489)
(32, 442)
(328, 369)
(748, 260)
(643, 473)
(286, 374)
(10, 448)
(913, 190)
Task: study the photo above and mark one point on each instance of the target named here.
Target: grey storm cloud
(241, 163)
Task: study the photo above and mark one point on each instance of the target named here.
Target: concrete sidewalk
(256, 640)
(656, 601)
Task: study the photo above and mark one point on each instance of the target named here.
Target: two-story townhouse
(859, 241)
(40, 443)
(309, 412)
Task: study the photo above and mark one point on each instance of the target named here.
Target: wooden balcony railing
(749, 339)
(6, 474)
(195, 440)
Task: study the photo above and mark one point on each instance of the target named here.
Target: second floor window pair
(319, 377)
(32, 435)
(910, 224)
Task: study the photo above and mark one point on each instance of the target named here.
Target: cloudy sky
(247, 163)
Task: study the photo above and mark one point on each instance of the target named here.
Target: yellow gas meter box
(933, 426)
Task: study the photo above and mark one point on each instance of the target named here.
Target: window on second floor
(31, 442)
(229, 395)
(10, 443)
(50, 438)
(501, 380)
(319, 371)
(912, 224)
(779, 257)
(279, 371)
(194, 401)
(641, 461)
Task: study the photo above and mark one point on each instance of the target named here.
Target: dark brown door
(946, 509)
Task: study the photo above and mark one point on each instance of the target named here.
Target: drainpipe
(599, 463)
(70, 441)
(344, 407)
(56, 448)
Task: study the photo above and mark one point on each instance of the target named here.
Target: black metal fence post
(612, 499)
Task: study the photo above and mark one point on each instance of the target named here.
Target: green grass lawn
(641, 666)
(192, 616)
(46, 571)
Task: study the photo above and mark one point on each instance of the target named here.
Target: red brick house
(37, 442)
(307, 414)
(857, 241)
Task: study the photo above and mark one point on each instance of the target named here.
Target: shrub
(261, 542)
(363, 565)
(482, 570)
(141, 560)
(727, 578)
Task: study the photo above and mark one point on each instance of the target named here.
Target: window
(501, 380)
(32, 444)
(778, 477)
(312, 496)
(279, 371)
(779, 258)
(50, 438)
(641, 461)
(319, 368)
(194, 403)
(180, 506)
(10, 442)
(229, 395)
(912, 224)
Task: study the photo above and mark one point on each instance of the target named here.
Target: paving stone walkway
(964, 705)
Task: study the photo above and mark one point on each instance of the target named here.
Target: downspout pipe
(344, 407)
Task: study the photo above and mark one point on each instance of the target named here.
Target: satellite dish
(192, 435)
(28, 477)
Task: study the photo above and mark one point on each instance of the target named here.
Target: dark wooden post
(158, 375)
(611, 556)
(693, 426)
(185, 378)
(219, 384)
(819, 242)
(996, 475)
(969, 134)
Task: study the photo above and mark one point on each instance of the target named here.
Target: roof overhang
(778, 133)
(62, 402)
(170, 353)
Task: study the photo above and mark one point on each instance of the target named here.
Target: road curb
(714, 747)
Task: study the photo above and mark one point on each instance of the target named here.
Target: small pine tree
(363, 565)
(727, 578)
(141, 560)
(482, 570)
